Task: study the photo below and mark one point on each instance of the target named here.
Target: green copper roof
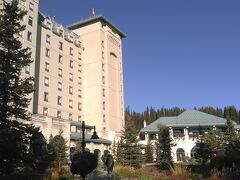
(189, 118)
(77, 136)
(96, 19)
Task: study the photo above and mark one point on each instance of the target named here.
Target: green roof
(93, 20)
(189, 118)
(76, 136)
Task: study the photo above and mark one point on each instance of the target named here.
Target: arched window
(113, 54)
(193, 151)
(180, 154)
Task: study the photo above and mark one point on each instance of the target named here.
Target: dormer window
(60, 32)
(71, 38)
(48, 25)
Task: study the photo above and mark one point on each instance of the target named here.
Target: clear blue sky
(182, 53)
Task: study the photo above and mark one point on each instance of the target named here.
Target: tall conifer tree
(16, 134)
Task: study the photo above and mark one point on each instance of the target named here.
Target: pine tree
(213, 140)
(15, 133)
(130, 150)
(57, 148)
(202, 148)
(14, 88)
(119, 154)
(164, 145)
(149, 153)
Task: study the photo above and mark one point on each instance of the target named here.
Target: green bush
(125, 171)
(146, 173)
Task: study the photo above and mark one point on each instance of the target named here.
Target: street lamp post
(83, 136)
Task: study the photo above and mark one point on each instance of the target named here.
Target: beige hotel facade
(78, 75)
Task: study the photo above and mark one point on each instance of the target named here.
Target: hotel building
(78, 75)
(185, 130)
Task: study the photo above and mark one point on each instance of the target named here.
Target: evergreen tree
(14, 88)
(57, 148)
(149, 153)
(202, 148)
(114, 149)
(164, 144)
(130, 150)
(16, 135)
(213, 140)
(119, 153)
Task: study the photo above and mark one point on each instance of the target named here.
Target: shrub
(125, 171)
(52, 173)
(215, 175)
(65, 174)
(146, 173)
(179, 171)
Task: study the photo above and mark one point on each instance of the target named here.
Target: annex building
(78, 75)
(184, 130)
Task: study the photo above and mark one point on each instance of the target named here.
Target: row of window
(24, 3)
(60, 47)
(59, 114)
(46, 83)
(59, 101)
(60, 58)
(46, 79)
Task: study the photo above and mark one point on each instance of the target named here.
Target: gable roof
(94, 19)
(189, 118)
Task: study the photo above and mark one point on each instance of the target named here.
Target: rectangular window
(29, 36)
(79, 80)
(59, 114)
(79, 93)
(79, 68)
(79, 118)
(59, 100)
(46, 81)
(29, 50)
(70, 103)
(103, 79)
(59, 86)
(27, 69)
(22, 2)
(60, 32)
(104, 105)
(45, 98)
(30, 20)
(31, 6)
(45, 111)
(21, 33)
(70, 77)
(59, 72)
(47, 53)
(70, 90)
(103, 91)
(48, 25)
(103, 67)
(79, 56)
(104, 118)
(71, 51)
(102, 54)
(71, 64)
(79, 106)
(47, 66)
(48, 39)
(60, 45)
(70, 117)
(60, 59)
(103, 44)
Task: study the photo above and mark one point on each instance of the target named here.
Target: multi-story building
(185, 130)
(78, 75)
